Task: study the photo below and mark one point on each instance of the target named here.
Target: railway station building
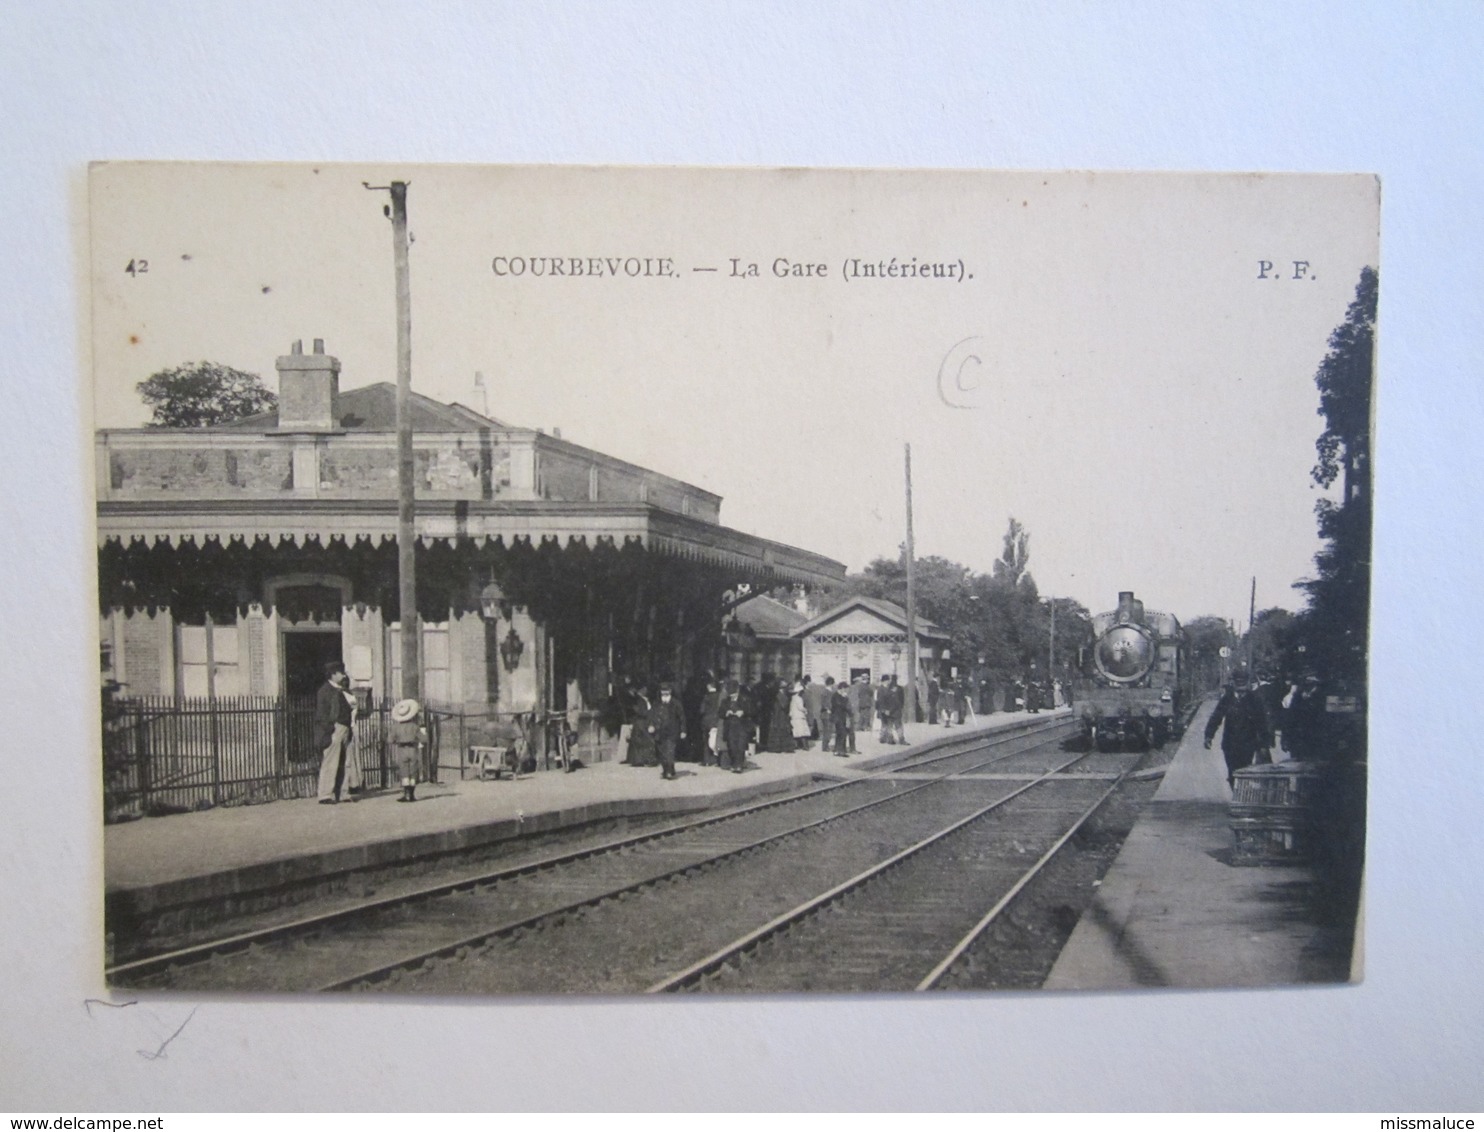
(865, 636)
(239, 560)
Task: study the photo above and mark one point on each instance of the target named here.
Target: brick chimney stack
(308, 387)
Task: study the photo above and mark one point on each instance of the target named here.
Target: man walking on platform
(1248, 736)
(334, 714)
(841, 720)
(667, 728)
(736, 728)
(898, 703)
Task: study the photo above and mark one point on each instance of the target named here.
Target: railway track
(882, 929)
(380, 939)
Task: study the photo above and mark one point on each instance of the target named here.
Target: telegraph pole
(1251, 622)
(406, 510)
(1051, 659)
(911, 603)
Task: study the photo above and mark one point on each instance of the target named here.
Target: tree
(1333, 631)
(1010, 566)
(1206, 637)
(1344, 381)
(199, 394)
(1265, 641)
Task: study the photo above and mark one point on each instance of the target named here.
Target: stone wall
(203, 471)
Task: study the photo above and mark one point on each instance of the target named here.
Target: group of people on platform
(1254, 714)
(720, 722)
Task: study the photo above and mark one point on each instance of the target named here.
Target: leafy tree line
(1328, 639)
(1333, 628)
(200, 394)
(997, 622)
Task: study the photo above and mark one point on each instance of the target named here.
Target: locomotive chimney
(1130, 609)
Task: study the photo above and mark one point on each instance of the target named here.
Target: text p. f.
(1267, 269)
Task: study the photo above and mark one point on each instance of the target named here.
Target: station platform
(229, 854)
(1173, 911)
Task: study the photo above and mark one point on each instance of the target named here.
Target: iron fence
(165, 755)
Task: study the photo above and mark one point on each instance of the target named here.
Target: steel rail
(147, 965)
(696, 970)
(1000, 905)
(412, 959)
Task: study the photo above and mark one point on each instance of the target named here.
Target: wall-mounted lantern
(510, 650)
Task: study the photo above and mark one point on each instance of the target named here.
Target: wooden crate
(1275, 784)
(1271, 818)
(1269, 841)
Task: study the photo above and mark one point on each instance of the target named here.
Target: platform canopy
(299, 522)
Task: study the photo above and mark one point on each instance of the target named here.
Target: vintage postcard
(537, 580)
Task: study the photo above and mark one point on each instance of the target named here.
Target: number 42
(137, 267)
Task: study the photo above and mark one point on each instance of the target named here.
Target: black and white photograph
(541, 580)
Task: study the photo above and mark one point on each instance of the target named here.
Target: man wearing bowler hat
(667, 727)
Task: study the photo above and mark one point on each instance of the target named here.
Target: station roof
(210, 505)
(769, 617)
(373, 408)
(883, 610)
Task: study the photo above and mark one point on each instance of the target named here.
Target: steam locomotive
(1134, 675)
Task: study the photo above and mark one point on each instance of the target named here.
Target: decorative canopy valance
(351, 521)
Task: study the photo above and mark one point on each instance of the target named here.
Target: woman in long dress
(780, 731)
(798, 717)
(641, 743)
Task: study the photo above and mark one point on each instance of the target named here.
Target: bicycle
(561, 741)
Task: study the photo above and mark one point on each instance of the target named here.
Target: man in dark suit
(667, 727)
(1247, 736)
(897, 700)
(840, 720)
(736, 728)
(334, 713)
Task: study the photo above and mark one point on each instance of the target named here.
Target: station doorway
(306, 653)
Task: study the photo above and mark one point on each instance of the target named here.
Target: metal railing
(164, 755)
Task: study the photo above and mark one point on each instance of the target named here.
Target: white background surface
(1322, 87)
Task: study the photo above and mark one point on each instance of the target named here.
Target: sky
(1102, 356)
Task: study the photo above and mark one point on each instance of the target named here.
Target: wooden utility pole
(406, 509)
(1051, 658)
(911, 603)
(1251, 624)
